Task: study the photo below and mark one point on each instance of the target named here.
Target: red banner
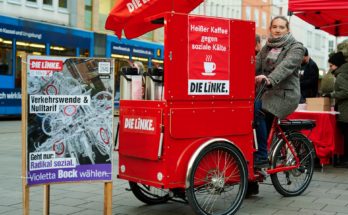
(209, 56)
(37, 64)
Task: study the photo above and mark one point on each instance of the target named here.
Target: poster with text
(209, 56)
(70, 119)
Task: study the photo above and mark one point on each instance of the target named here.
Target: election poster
(209, 56)
(70, 119)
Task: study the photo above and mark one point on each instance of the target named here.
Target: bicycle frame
(276, 130)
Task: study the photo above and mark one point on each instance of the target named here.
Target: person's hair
(280, 17)
(337, 59)
(306, 52)
(257, 38)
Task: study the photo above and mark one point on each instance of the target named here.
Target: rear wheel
(218, 180)
(148, 194)
(296, 181)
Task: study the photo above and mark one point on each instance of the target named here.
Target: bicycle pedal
(263, 172)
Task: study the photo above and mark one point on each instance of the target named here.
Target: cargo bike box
(201, 129)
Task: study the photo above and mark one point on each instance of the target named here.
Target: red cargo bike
(196, 142)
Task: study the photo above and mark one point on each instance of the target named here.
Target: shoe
(253, 189)
(261, 162)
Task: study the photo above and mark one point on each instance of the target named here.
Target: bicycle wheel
(218, 180)
(148, 194)
(296, 181)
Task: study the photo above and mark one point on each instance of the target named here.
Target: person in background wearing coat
(277, 63)
(309, 76)
(339, 68)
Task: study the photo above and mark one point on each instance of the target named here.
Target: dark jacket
(309, 79)
(341, 93)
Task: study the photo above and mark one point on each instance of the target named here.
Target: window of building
(309, 39)
(248, 13)
(256, 17)
(31, 3)
(217, 10)
(264, 20)
(208, 9)
(63, 3)
(317, 42)
(47, 2)
(88, 14)
(331, 46)
(212, 9)
(47, 5)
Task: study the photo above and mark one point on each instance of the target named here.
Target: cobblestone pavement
(327, 194)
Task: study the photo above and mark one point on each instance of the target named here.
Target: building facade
(318, 43)
(258, 11)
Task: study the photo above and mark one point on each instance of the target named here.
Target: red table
(326, 137)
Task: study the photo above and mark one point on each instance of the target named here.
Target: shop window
(5, 59)
(84, 52)
(24, 49)
(20, 56)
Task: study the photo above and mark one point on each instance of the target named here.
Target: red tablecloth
(327, 139)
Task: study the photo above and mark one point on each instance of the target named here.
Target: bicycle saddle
(297, 124)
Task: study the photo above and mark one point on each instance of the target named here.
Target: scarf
(275, 46)
(280, 41)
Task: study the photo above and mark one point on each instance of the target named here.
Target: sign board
(209, 56)
(69, 123)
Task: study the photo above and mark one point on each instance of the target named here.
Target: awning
(327, 15)
(133, 16)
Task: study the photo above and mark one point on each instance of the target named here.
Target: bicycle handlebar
(261, 89)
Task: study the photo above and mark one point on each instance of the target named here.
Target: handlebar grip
(261, 89)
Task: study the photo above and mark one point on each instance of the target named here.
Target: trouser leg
(261, 131)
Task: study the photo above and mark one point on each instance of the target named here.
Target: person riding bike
(278, 65)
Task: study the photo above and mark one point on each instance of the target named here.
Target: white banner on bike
(70, 119)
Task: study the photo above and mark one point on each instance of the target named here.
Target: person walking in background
(340, 69)
(309, 77)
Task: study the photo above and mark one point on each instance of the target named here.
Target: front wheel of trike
(295, 181)
(218, 180)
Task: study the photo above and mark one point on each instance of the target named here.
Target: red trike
(197, 142)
